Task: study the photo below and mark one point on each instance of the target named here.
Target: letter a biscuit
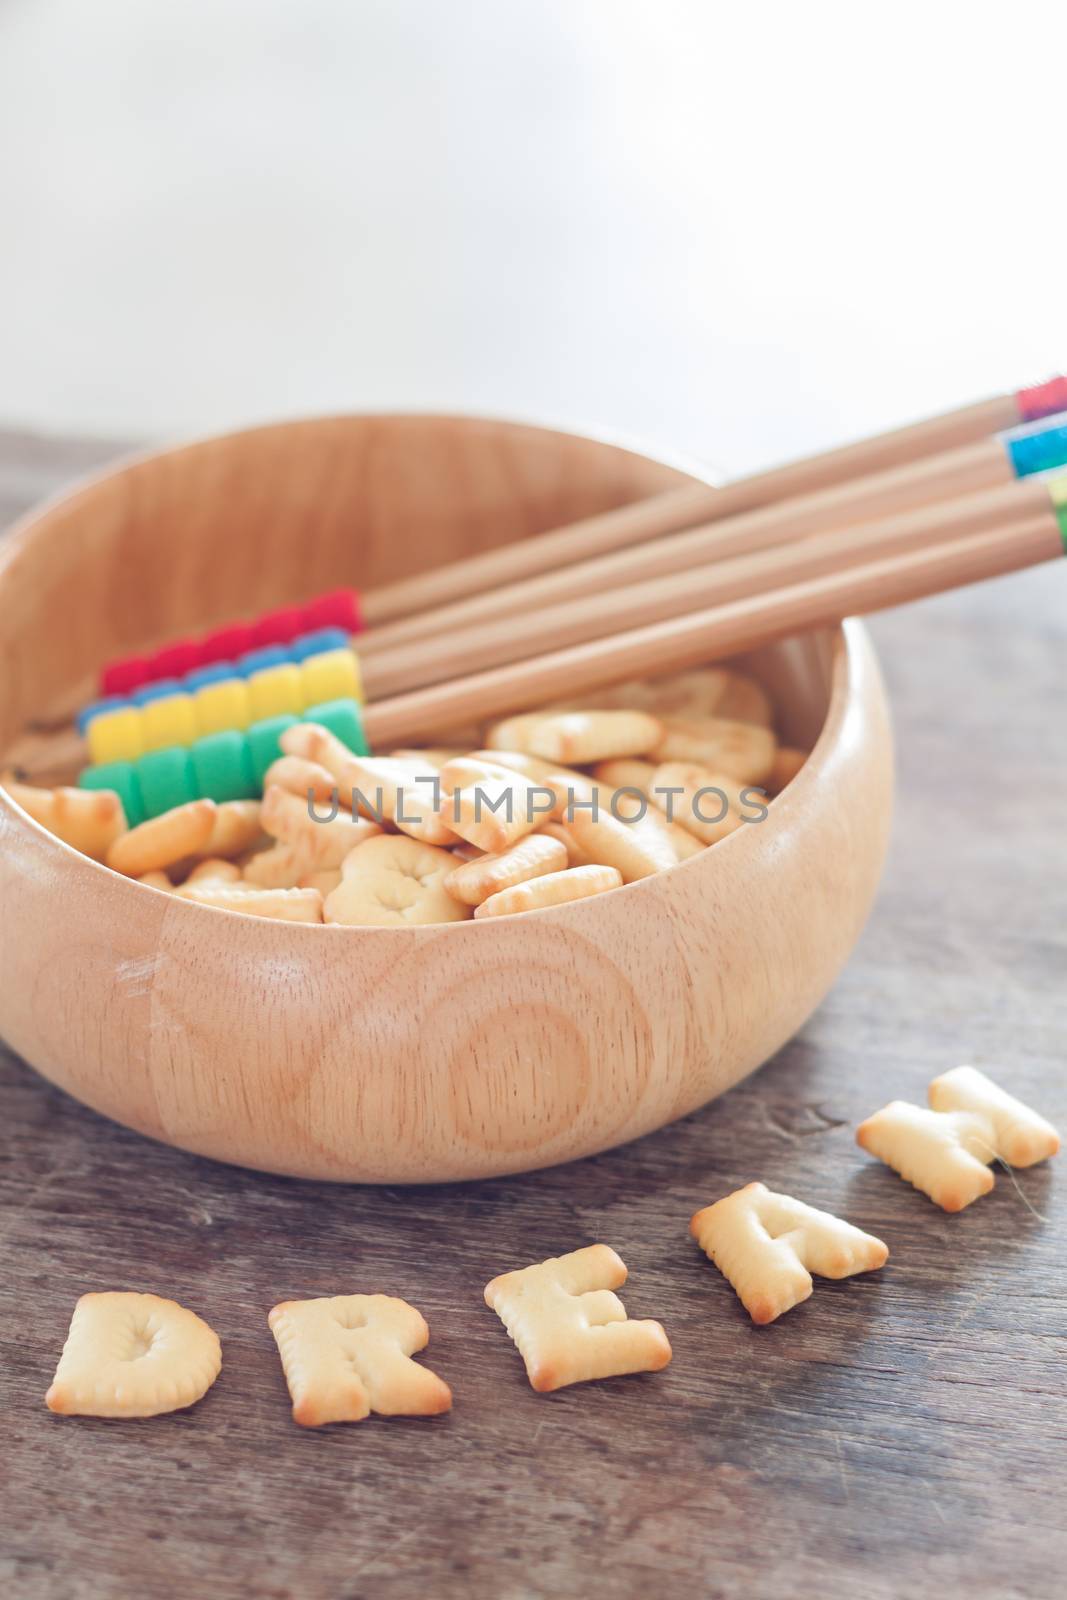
(767, 1246)
(945, 1151)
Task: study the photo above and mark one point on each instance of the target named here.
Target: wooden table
(898, 1434)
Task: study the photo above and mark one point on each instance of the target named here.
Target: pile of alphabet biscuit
(233, 771)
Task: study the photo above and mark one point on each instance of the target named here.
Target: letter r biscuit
(349, 1355)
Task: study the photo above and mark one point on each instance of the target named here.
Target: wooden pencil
(684, 507)
(713, 633)
(899, 491)
(574, 621)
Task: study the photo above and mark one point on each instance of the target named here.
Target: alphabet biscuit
(626, 774)
(578, 736)
(393, 791)
(767, 1246)
(467, 852)
(576, 857)
(567, 786)
(1022, 1137)
(491, 806)
(320, 841)
(394, 881)
(638, 849)
(325, 882)
(945, 1151)
(349, 1355)
(133, 1355)
(165, 840)
(213, 870)
(742, 750)
(532, 857)
(568, 1325)
(301, 777)
(405, 793)
(429, 760)
(310, 741)
(279, 905)
(700, 692)
(88, 820)
(627, 784)
(236, 828)
(555, 889)
(283, 866)
(679, 841)
(706, 804)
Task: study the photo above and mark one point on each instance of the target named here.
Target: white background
(738, 230)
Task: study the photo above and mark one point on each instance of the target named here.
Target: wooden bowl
(402, 1055)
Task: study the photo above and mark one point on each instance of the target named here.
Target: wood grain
(899, 1434)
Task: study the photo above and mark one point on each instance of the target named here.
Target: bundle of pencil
(678, 509)
(857, 541)
(698, 573)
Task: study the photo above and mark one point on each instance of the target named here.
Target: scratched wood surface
(902, 1433)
